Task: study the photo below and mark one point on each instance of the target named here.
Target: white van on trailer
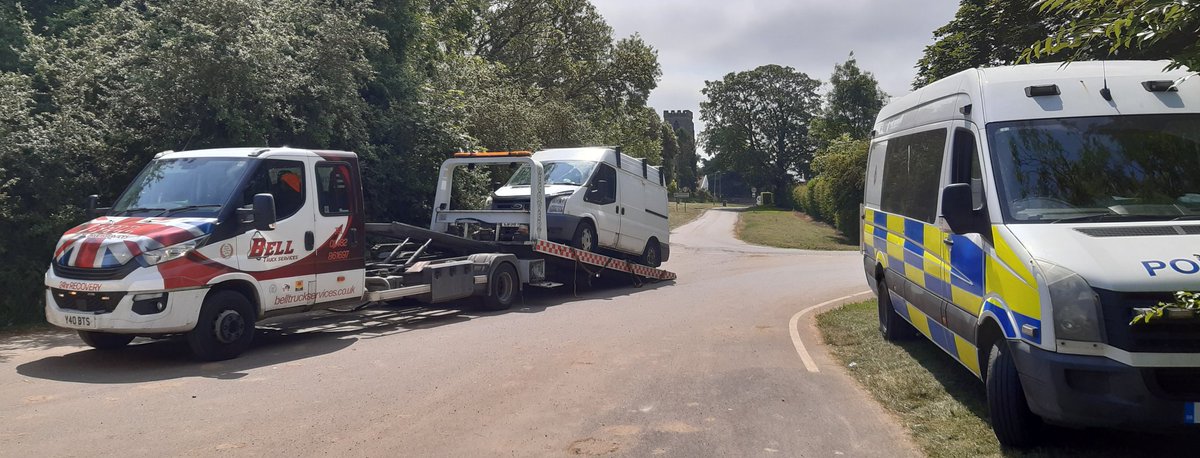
(598, 198)
(204, 244)
(1020, 217)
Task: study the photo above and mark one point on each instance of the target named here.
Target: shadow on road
(1057, 441)
(278, 341)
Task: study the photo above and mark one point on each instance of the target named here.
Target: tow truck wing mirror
(264, 212)
(92, 210)
(958, 208)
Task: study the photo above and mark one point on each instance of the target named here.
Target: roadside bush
(799, 192)
(838, 188)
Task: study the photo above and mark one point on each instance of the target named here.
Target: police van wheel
(105, 340)
(225, 327)
(585, 236)
(1014, 424)
(891, 325)
(505, 284)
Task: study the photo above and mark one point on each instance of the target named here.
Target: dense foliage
(91, 89)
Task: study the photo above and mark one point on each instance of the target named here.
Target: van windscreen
(1105, 168)
(559, 172)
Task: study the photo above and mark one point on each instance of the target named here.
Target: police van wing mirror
(959, 212)
(264, 212)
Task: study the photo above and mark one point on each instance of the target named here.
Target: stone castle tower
(681, 119)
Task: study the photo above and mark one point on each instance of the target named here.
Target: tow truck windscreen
(196, 187)
(561, 172)
(1094, 169)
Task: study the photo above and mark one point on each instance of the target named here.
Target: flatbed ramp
(450, 243)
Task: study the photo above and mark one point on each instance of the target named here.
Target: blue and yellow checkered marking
(917, 250)
(1189, 413)
(953, 344)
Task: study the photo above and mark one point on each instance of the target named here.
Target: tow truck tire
(892, 326)
(1014, 424)
(105, 340)
(225, 327)
(504, 285)
(652, 255)
(585, 236)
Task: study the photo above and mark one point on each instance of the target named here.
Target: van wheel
(504, 284)
(652, 255)
(585, 236)
(105, 340)
(892, 326)
(225, 328)
(1012, 421)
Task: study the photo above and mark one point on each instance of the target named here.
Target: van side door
(965, 251)
(913, 176)
(632, 205)
(602, 194)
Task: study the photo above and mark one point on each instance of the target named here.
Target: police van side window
(912, 174)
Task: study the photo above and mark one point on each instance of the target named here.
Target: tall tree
(758, 124)
(670, 151)
(1151, 29)
(853, 100)
(687, 162)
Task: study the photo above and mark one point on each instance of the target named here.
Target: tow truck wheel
(225, 327)
(504, 284)
(652, 255)
(105, 340)
(1014, 424)
(585, 236)
(891, 325)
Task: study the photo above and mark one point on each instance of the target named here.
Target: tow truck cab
(258, 231)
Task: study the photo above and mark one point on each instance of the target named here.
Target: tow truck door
(280, 259)
(339, 226)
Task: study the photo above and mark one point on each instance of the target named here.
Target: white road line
(792, 327)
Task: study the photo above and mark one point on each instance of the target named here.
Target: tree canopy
(758, 124)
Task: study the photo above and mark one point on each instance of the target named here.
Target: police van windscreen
(193, 187)
(558, 172)
(1105, 168)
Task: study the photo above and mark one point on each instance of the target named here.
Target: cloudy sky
(700, 40)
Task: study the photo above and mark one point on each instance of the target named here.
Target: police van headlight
(168, 253)
(1074, 305)
(557, 205)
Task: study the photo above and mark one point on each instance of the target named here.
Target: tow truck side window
(333, 188)
(282, 179)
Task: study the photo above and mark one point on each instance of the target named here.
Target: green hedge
(835, 194)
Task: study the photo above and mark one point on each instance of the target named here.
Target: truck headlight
(557, 205)
(1073, 303)
(175, 251)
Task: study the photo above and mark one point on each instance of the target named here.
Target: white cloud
(700, 40)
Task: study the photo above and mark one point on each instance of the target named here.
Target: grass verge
(943, 406)
(789, 229)
(681, 213)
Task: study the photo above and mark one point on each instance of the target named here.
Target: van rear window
(912, 174)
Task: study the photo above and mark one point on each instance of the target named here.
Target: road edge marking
(795, 331)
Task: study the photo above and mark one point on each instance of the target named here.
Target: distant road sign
(682, 195)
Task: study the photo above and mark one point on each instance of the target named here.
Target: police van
(1020, 217)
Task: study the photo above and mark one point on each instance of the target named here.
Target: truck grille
(510, 204)
(100, 273)
(1158, 336)
(98, 302)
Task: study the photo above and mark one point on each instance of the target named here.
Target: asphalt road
(703, 366)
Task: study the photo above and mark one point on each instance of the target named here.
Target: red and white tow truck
(206, 243)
